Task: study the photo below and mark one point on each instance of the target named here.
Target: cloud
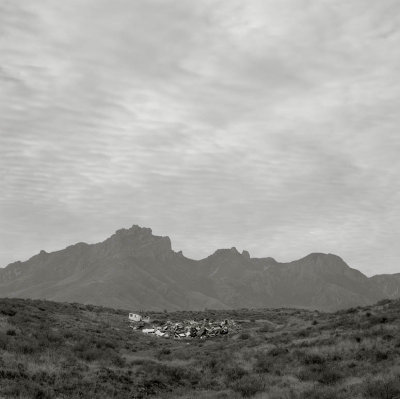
(269, 125)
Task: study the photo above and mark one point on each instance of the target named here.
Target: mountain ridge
(135, 269)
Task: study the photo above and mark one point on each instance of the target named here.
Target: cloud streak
(269, 125)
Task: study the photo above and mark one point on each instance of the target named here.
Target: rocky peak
(224, 252)
(138, 241)
(135, 231)
(230, 253)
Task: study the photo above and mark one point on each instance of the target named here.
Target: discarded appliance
(137, 317)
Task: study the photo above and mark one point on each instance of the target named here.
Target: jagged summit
(135, 230)
(133, 233)
(229, 252)
(138, 241)
(226, 251)
(246, 254)
(134, 268)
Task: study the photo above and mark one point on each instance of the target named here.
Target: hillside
(136, 269)
(60, 350)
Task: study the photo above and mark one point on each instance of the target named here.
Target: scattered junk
(137, 317)
(184, 329)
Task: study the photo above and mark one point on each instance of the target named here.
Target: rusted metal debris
(187, 328)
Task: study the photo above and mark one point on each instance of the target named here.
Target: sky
(269, 125)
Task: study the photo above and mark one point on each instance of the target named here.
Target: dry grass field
(60, 350)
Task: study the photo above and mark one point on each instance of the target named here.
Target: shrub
(9, 312)
(312, 358)
(381, 355)
(321, 392)
(321, 374)
(278, 351)
(26, 346)
(164, 352)
(118, 360)
(266, 328)
(329, 376)
(249, 385)
(234, 373)
(383, 302)
(3, 340)
(264, 364)
(29, 390)
(105, 343)
(171, 376)
(303, 333)
(383, 388)
(217, 362)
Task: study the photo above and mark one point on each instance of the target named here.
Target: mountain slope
(387, 284)
(136, 269)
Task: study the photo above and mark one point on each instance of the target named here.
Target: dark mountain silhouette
(134, 269)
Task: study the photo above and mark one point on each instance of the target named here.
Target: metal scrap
(187, 328)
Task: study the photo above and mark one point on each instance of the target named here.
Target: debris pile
(187, 328)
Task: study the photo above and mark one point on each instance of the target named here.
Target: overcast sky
(269, 125)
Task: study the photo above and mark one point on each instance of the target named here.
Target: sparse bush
(234, 373)
(383, 388)
(26, 346)
(320, 373)
(163, 353)
(54, 345)
(310, 358)
(3, 341)
(329, 376)
(384, 302)
(8, 311)
(321, 392)
(266, 328)
(171, 376)
(264, 364)
(278, 351)
(381, 355)
(249, 385)
(117, 360)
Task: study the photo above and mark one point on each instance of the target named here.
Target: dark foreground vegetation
(59, 350)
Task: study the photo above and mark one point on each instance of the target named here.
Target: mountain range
(134, 269)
